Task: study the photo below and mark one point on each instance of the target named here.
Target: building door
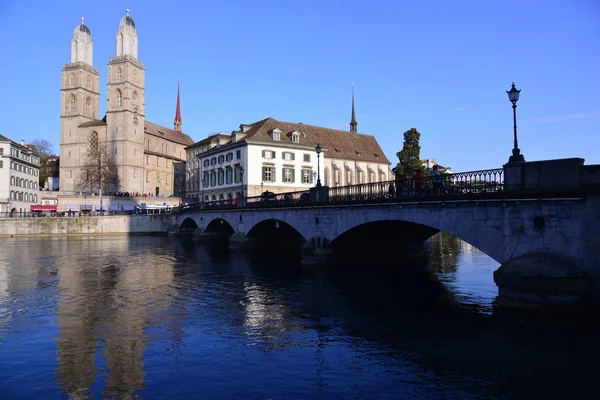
(157, 191)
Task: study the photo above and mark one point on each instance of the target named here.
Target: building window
(229, 157)
(205, 180)
(135, 75)
(288, 175)
(276, 134)
(73, 104)
(72, 80)
(307, 158)
(206, 162)
(221, 159)
(1, 151)
(238, 154)
(147, 176)
(228, 175)
(88, 83)
(88, 106)
(119, 73)
(307, 176)
(268, 174)
(213, 161)
(119, 100)
(295, 138)
(1, 164)
(213, 178)
(287, 156)
(221, 177)
(268, 154)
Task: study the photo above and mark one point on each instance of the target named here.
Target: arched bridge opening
(382, 240)
(275, 233)
(188, 226)
(219, 228)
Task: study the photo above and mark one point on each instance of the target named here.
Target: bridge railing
(488, 181)
(445, 185)
(279, 199)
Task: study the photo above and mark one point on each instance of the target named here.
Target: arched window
(72, 80)
(119, 73)
(135, 75)
(119, 100)
(88, 106)
(88, 83)
(94, 143)
(73, 104)
(134, 98)
(12, 181)
(26, 197)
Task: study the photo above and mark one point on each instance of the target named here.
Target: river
(166, 318)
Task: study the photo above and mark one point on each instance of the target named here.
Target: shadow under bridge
(382, 240)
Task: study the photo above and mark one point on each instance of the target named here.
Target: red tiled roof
(339, 144)
(153, 129)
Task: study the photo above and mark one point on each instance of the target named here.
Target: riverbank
(105, 225)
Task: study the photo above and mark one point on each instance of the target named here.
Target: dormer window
(276, 134)
(295, 137)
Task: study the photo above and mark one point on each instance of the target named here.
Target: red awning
(43, 208)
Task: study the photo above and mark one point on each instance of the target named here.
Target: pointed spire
(353, 123)
(177, 123)
(82, 19)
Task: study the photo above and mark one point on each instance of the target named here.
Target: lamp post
(513, 96)
(241, 184)
(318, 150)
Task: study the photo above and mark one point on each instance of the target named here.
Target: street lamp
(513, 96)
(318, 150)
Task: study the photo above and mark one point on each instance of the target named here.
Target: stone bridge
(545, 236)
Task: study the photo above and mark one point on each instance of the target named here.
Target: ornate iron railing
(458, 184)
(484, 182)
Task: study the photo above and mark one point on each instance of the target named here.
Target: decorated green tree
(409, 158)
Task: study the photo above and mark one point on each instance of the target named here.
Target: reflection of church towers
(106, 305)
(125, 107)
(79, 102)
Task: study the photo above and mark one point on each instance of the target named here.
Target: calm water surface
(162, 318)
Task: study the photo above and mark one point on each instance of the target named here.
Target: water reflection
(165, 318)
(110, 290)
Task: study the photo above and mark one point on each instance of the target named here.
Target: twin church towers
(146, 155)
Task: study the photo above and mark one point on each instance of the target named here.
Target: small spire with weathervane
(177, 123)
(353, 123)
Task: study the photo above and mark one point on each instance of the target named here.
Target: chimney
(22, 142)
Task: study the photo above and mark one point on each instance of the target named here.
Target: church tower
(79, 104)
(125, 109)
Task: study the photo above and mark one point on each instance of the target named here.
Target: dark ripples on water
(136, 317)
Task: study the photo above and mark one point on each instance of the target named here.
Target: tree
(409, 158)
(98, 171)
(44, 147)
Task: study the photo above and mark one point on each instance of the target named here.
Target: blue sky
(440, 66)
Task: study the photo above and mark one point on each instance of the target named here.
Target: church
(148, 159)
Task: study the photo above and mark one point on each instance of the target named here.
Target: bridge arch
(275, 232)
(219, 227)
(188, 225)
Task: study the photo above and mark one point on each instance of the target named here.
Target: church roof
(338, 143)
(153, 129)
(95, 122)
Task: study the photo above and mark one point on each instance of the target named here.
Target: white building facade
(19, 176)
(280, 157)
